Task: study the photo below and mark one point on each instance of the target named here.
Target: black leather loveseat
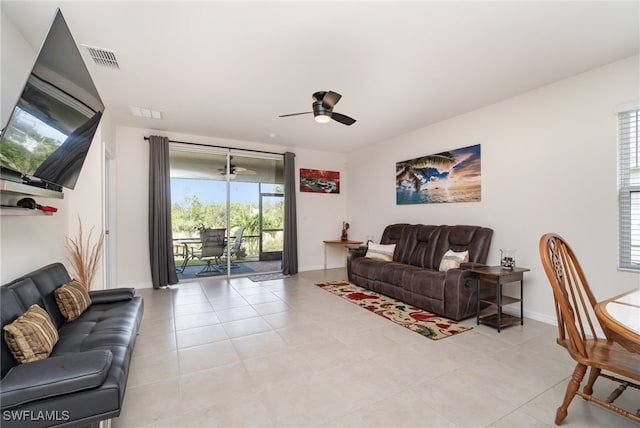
(84, 379)
(413, 275)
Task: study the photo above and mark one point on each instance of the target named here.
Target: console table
(345, 243)
(498, 276)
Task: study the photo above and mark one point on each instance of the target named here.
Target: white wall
(319, 216)
(17, 59)
(548, 165)
(85, 204)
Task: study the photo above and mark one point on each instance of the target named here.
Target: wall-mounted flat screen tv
(53, 123)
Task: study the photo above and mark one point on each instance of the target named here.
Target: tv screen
(53, 123)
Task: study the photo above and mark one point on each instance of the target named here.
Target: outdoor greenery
(16, 156)
(189, 215)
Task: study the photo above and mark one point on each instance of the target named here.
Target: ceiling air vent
(103, 57)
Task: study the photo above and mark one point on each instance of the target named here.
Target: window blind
(629, 189)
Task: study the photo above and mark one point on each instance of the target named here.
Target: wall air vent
(103, 57)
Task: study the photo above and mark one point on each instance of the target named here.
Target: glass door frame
(261, 229)
(229, 153)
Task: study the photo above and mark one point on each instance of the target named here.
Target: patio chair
(212, 247)
(574, 303)
(181, 250)
(237, 243)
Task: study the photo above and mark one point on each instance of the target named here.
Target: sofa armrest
(111, 295)
(53, 376)
(352, 254)
(355, 252)
(471, 265)
(460, 291)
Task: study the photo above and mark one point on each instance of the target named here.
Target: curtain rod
(222, 147)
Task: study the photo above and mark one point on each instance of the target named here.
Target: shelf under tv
(13, 211)
(8, 186)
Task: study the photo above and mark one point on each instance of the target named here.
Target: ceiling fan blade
(345, 120)
(295, 114)
(330, 99)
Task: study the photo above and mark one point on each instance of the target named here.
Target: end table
(498, 276)
(345, 243)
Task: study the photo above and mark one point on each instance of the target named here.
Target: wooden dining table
(620, 318)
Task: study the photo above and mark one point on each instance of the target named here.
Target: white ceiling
(228, 69)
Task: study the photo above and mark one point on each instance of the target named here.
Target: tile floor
(285, 353)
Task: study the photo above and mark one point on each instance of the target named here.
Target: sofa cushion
(55, 376)
(475, 239)
(425, 282)
(73, 299)
(452, 260)
(380, 251)
(10, 309)
(392, 234)
(32, 336)
(104, 326)
(392, 278)
(40, 290)
(417, 246)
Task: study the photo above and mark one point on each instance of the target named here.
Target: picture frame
(319, 181)
(451, 176)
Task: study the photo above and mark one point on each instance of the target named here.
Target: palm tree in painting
(407, 170)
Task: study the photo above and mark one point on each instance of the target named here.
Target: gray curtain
(290, 250)
(163, 268)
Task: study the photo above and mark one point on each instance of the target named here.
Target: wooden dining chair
(577, 323)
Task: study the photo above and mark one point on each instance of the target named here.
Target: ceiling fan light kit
(323, 118)
(322, 105)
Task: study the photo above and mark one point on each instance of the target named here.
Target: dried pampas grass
(84, 257)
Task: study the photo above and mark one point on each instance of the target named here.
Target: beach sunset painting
(452, 176)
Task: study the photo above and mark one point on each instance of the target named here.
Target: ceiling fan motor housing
(320, 109)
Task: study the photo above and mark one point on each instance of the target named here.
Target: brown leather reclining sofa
(413, 275)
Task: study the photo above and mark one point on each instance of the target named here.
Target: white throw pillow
(380, 251)
(452, 260)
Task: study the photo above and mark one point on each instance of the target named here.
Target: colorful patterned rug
(415, 319)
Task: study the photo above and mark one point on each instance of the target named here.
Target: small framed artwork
(319, 181)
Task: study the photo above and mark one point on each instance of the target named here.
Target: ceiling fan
(323, 102)
(235, 170)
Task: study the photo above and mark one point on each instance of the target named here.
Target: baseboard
(137, 285)
(320, 267)
(547, 319)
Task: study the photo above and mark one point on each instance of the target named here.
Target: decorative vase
(345, 235)
(508, 258)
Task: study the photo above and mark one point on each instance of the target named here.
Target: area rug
(415, 319)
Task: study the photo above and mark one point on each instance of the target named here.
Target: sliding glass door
(222, 224)
(271, 222)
